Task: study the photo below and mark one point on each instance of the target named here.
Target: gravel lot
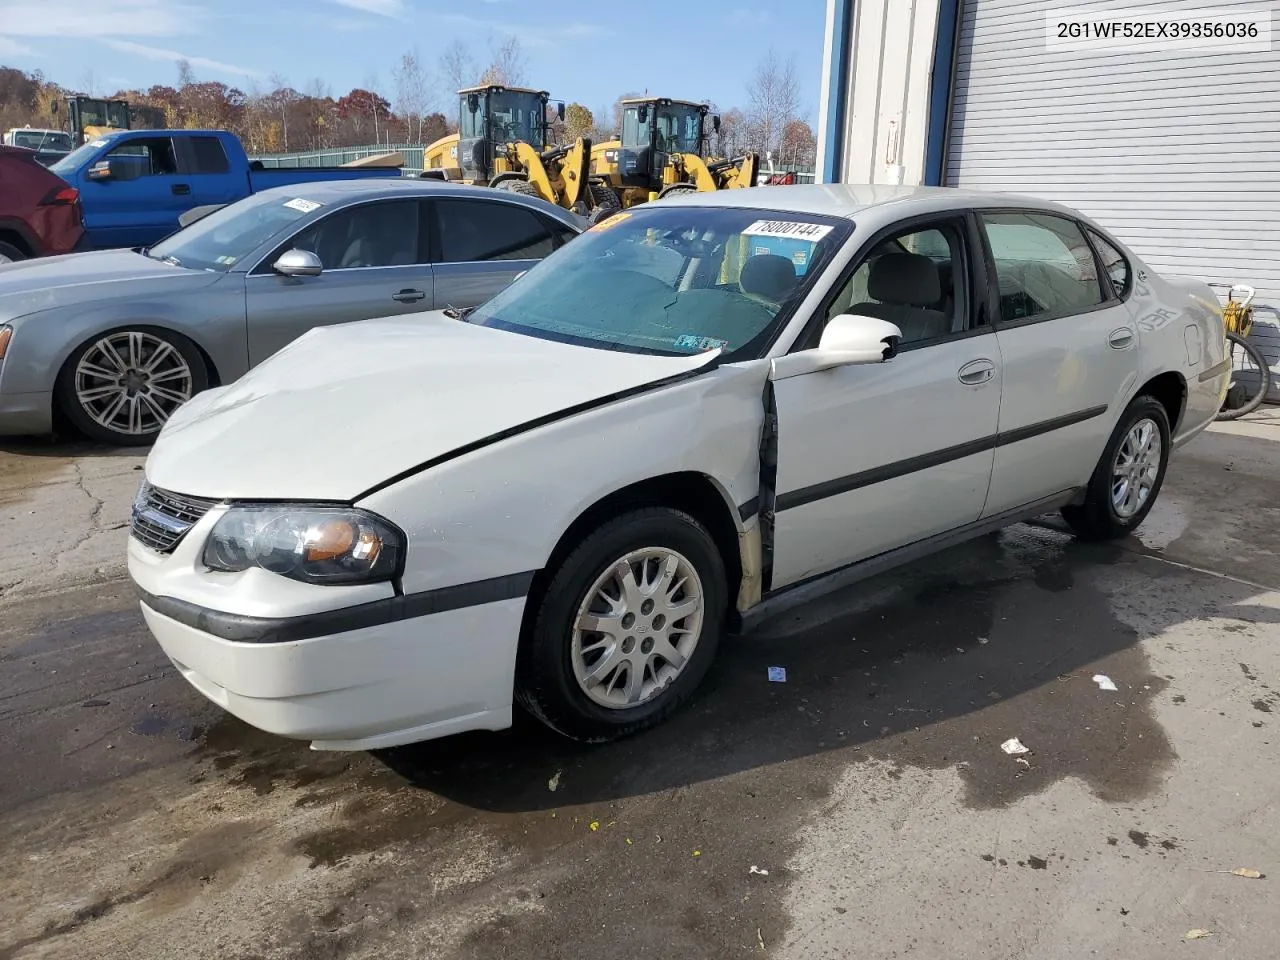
(863, 809)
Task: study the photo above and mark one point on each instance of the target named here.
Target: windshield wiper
(457, 313)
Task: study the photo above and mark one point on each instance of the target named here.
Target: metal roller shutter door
(1178, 152)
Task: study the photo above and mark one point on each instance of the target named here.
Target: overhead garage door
(1177, 151)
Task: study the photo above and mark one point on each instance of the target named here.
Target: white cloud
(532, 35)
(172, 56)
(12, 48)
(99, 18)
(384, 8)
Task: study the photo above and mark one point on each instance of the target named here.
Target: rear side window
(1044, 265)
(478, 230)
(1115, 264)
(208, 156)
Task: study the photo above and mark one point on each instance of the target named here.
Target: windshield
(104, 113)
(516, 116)
(225, 237)
(41, 140)
(679, 129)
(672, 281)
(68, 164)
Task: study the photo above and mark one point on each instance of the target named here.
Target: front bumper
(26, 414)
(371, 675)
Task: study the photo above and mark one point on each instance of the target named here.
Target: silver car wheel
(130, 382)
(637, 627)
(1136, 468)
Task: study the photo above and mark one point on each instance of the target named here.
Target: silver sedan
(116, 340)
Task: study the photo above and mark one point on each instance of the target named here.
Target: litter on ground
(756, 870)
(1198, 934)
(1104, 682)
(777, 674)
(1013, 746)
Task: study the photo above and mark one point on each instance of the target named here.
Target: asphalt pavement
(864, 808)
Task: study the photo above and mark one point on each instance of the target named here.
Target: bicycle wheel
(1250, 379)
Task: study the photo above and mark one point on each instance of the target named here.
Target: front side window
(1114, 263)
(378, 234)
(679, 129)
(1044, 265)
(149, 157)
(477, 230)
(672, 281)
(916, 280)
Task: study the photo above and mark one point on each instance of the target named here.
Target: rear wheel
(1250, 378)
(1128, 477)
(10, 254)
(626, 628)
(122, 387)
(604, 202)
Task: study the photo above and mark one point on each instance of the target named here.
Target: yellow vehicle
(502, 141)
(662, 150)
(89, 118)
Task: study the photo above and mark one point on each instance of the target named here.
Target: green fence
(337, 156)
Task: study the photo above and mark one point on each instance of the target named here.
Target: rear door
(480, 246)
(206, 174)
(374, 257)
(1070, 348)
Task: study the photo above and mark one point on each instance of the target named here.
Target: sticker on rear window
(790, 229)
(691, 341)
(302, 206)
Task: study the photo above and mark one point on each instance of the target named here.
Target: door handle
(1120, 338)
(977, 371)
(409, 296)
(181, 189)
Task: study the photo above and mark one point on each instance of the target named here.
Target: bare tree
(507, 64)
(371, 84)
(413, 92)
(458, 66)
(280, 95)
(774, 96)
(89, 82)
(186, 76)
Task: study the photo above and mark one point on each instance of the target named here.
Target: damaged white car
(703, 410)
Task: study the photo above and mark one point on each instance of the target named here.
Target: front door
(372, 258)
(482, 245)
(878, 456)
(1070, 356)
(139, 204)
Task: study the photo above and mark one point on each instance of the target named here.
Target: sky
(589, 52)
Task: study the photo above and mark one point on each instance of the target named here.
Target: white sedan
(705, 409)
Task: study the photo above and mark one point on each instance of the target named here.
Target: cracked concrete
(863, 809)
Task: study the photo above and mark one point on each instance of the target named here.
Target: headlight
(311, 544)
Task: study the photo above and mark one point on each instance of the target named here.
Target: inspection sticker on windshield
(790, 229)
(302, 206)
(609, 222)
(692, 342)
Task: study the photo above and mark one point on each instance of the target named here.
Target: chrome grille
(162, 518)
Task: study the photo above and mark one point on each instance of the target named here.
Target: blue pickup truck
(135, 184)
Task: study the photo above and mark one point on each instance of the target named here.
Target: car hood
(46, 283)
(345, 408)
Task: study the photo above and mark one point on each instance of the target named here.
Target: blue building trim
(941, 85)
(838, 92)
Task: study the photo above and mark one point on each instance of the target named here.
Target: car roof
(851, 199)
(337, 192)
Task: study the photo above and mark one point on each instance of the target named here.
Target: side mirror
(100, 171)
(848, 339)
(560, 110)
(715, 122)
(298, 263)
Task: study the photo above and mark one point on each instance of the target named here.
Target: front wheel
(626, 628)
(1128, 477)
(1250, 379)
(677, 188)
(122, 386)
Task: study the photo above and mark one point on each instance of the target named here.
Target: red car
(39, 212)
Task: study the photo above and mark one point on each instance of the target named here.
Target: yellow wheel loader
(662, 150)
(502, 142)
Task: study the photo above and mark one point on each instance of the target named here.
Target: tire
(604, 202)
(1100, 517)
(10, 254)
(155, 371)
(517, 186)
(677, 188)
(1238, 400)
(555, 652)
